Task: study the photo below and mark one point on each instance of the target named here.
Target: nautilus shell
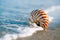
(40, 18)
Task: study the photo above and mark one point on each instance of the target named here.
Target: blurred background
(14, 14)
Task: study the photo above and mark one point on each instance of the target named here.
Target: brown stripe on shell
(40, 16)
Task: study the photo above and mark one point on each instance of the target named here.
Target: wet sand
(51, 34)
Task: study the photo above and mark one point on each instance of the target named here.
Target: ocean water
(14, 16)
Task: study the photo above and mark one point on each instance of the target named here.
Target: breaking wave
(24, 30)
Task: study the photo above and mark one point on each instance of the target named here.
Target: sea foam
(28, 31)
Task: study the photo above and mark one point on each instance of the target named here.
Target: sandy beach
(51, 34)
(14, 24)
